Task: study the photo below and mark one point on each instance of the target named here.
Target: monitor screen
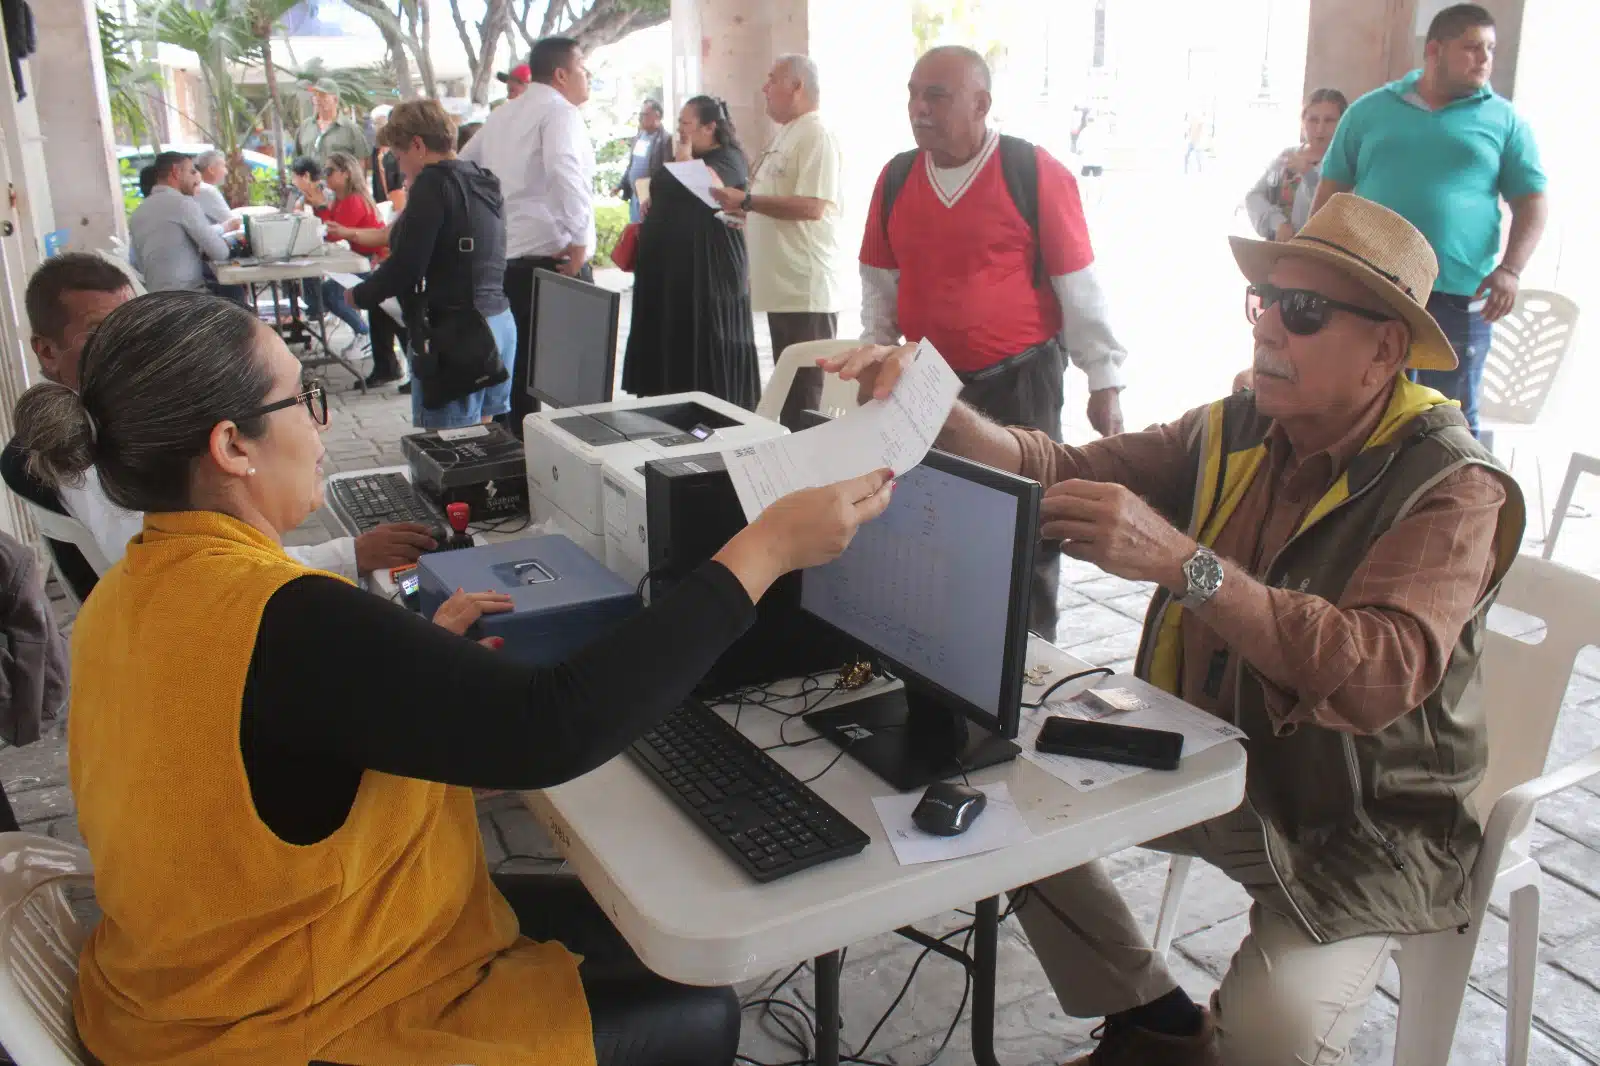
(934, 585)
(574, 351)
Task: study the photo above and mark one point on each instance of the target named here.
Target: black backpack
(1019, 164)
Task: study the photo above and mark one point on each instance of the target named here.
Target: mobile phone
(1156, 749)
(410, 582)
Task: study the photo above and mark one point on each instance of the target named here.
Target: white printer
(567, 450)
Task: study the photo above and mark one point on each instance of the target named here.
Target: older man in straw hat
(1325, 548)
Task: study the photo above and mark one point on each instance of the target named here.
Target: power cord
(1079, 676)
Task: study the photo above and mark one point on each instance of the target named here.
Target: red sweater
(355, 213)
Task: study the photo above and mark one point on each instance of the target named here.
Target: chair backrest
(68, 530)
(1525, 352)
(1525, 677)
(119, 259)
(43, 927)
(837, 396)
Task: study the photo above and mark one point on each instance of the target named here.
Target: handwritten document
(894, 433)
(698, 179)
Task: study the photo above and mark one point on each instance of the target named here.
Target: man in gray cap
(327, 131)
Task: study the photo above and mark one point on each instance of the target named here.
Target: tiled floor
(1100, 624)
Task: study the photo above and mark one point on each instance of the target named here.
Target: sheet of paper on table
(999, 826)
(1161, 710)
(894, 433)
(698, 179)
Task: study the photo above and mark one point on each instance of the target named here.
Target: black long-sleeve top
(423, 242)
(408, 698)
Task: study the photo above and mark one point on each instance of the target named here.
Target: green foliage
(610, 218)
(611, 161)
(357, 86)
(127, 77)
(936, 22)
(130, 186)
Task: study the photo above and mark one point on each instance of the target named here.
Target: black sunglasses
(315, 399)
(1304, 312)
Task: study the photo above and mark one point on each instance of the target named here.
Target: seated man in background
(67, 298)
(1325, 548)
(212, 167)
(170, 239)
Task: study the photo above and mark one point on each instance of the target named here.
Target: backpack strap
(1019, 164)
(895, 176)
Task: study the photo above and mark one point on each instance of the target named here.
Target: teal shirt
(1444, 171)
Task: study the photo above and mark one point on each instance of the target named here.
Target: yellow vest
(384, 944)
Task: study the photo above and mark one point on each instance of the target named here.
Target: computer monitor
(936, 590)
(574, 352)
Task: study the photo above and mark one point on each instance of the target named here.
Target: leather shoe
(1129, 1045)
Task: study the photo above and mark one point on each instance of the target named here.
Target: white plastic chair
(68, 530)
(1581, 464)
(117, 256)
(41, 938)
(1523, 686)
(837, 396)
(1526, 352)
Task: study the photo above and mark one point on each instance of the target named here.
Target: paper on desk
(698, 179)
(894, 433)
(999, 826)
(349, 281)
(1162, 710)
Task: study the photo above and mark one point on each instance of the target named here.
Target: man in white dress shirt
(67, 299)
(539, 148)
(212, 167)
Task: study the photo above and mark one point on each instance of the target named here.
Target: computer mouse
(948, 809)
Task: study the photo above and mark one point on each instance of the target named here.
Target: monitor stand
(911, 738)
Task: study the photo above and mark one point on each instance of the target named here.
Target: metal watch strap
(1198, 594)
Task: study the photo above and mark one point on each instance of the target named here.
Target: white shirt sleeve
(1086, 328)
(880, 305)
(570, 198)
(109, 525)
(334, 556)
(473, 152)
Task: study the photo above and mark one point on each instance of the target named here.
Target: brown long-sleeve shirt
(1355, 665)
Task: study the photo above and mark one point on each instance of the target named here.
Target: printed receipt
(894, 433)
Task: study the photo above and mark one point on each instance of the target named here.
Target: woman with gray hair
(213, 168)
(286, 851)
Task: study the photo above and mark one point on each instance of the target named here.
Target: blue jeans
(329, 294)
(1469, 335)
(485, 403)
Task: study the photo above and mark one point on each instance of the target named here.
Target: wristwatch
(744, 205)
(1203, 572)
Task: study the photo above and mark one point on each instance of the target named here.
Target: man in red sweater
(957, 262)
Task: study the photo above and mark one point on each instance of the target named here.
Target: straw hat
(1375, 247)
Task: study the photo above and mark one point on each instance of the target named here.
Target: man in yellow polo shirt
(791, 213)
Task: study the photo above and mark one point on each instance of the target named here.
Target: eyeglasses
(315, 399)
(1304, 312)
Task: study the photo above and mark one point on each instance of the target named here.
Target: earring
(251, 472)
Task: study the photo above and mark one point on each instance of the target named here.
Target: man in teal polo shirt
(1441, 148)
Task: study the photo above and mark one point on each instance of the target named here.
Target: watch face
(1204, 572)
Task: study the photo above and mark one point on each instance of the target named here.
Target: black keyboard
(371, 500)
(755, 810)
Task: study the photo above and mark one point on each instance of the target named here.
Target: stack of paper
(894, 433)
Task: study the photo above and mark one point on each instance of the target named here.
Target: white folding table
(272, 275)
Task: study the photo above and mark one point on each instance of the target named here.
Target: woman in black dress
(692, 326)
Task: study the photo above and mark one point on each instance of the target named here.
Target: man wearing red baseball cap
(516, 80)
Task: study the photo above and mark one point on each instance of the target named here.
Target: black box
(693, 510)
(481, 466)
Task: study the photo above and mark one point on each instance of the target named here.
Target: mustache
(1268, 364)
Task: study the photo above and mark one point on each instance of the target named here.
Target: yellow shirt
(384, 944)
(796, 266)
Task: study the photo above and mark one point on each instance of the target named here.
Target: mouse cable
(1080, 675)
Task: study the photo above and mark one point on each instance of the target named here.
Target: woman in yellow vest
(286, 852)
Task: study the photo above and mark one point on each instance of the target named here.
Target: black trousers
(797, 327)
(1031, 395)
(639, 1019)
(519, 290)
(384, 333)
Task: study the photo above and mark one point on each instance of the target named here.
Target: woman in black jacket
(448, 197)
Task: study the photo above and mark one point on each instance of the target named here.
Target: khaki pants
(1284, 999)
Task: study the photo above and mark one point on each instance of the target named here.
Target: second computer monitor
(936, 589)
(574, 349)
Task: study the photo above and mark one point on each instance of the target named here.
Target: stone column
(1357, 45)
(75, 118)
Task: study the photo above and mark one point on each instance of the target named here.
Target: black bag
(453, 351)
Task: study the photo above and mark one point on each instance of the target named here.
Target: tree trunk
(600, 22)
(553, 10)
(482, 61)
(236, 186)
(403, 82)
(271, 73)
(420, 43)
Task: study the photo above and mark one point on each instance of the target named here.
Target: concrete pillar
(1357, 45)
(864, 53)
(75, 118)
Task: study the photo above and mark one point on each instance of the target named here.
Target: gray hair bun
(58, 433)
